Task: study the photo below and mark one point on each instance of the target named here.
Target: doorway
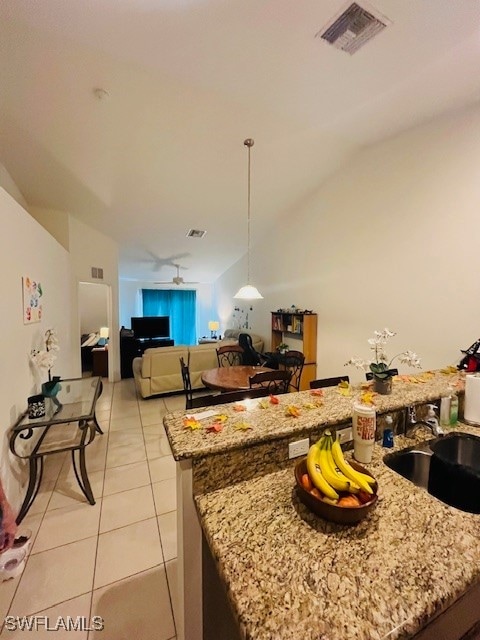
(94, 309)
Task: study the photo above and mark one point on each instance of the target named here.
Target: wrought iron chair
(293, 361)
(328, 382)
(230, 355)
(192, 402)
(229, 396)
(187, 384)
(273, 381)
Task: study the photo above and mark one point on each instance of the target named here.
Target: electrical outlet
(346, 435)
(298, 448)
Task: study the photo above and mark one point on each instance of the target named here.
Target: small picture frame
(32, 303)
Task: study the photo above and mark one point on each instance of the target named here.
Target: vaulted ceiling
(186, 82)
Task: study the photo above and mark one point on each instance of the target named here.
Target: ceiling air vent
(353, 28)
(195, 233)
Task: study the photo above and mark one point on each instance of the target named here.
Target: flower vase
(52, 387)
(383, 386)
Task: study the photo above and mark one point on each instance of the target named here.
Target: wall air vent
(353, 28)
(195, 233)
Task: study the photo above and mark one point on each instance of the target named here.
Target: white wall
(93, 304)
(26, 249)
(238, 314)
(90, 248)
(55, 222)
(130, 303)
(7, 183)
(391, 240)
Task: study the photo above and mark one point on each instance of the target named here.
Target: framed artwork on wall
(32, 294)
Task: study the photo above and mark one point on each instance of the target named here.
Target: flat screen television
(151, 327)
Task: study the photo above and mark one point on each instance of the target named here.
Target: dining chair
(293, 361)
(328, 382)
(229, 396)
(230, 355)
(207, 400)
(187, 383)
(273, 381)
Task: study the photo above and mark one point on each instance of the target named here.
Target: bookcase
(299, 331)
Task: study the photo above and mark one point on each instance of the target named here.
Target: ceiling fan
(176, 279)
(157, 263)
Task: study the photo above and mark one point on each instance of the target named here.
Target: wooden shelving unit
(299, 331)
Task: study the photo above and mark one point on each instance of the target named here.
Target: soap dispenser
(453, 408)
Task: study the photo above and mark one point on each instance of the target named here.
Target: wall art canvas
(32, 300)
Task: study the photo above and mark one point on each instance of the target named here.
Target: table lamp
(104, 333)
(214, 326)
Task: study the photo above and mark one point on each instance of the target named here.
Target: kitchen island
(290, 574)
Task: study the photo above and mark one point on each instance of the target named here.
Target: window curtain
(179, 306)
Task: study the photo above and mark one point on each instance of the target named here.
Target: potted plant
(45, 359)
(380, 366)
(282, 348)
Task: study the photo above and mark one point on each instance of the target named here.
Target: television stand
(131, 347)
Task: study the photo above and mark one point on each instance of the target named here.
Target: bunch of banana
(317, 473)
(331, 473)
(363, 480)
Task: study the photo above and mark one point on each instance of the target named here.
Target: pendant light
(248, 292)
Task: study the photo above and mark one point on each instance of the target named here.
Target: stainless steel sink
(413, 465)
(448, 468)
(459, 449)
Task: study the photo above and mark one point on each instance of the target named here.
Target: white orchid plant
(45, 358)
(380, 366)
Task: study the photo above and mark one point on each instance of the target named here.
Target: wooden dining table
(230, 378)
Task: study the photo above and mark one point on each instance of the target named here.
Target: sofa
(158, 370)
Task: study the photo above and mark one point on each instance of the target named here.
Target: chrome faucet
(411, 422)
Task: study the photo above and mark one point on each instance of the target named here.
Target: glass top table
(69, 424)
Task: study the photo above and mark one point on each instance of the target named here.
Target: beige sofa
(158, 370)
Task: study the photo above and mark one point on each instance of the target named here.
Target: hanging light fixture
(248, 292)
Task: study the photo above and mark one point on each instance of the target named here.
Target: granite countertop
(270, 423)
(290, 574)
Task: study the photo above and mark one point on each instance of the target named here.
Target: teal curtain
(179, 306)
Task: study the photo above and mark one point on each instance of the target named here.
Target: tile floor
(116, 559)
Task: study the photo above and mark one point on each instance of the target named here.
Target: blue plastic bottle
(388, 432)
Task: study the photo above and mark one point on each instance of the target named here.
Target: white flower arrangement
(380, 365)
(45, 358)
